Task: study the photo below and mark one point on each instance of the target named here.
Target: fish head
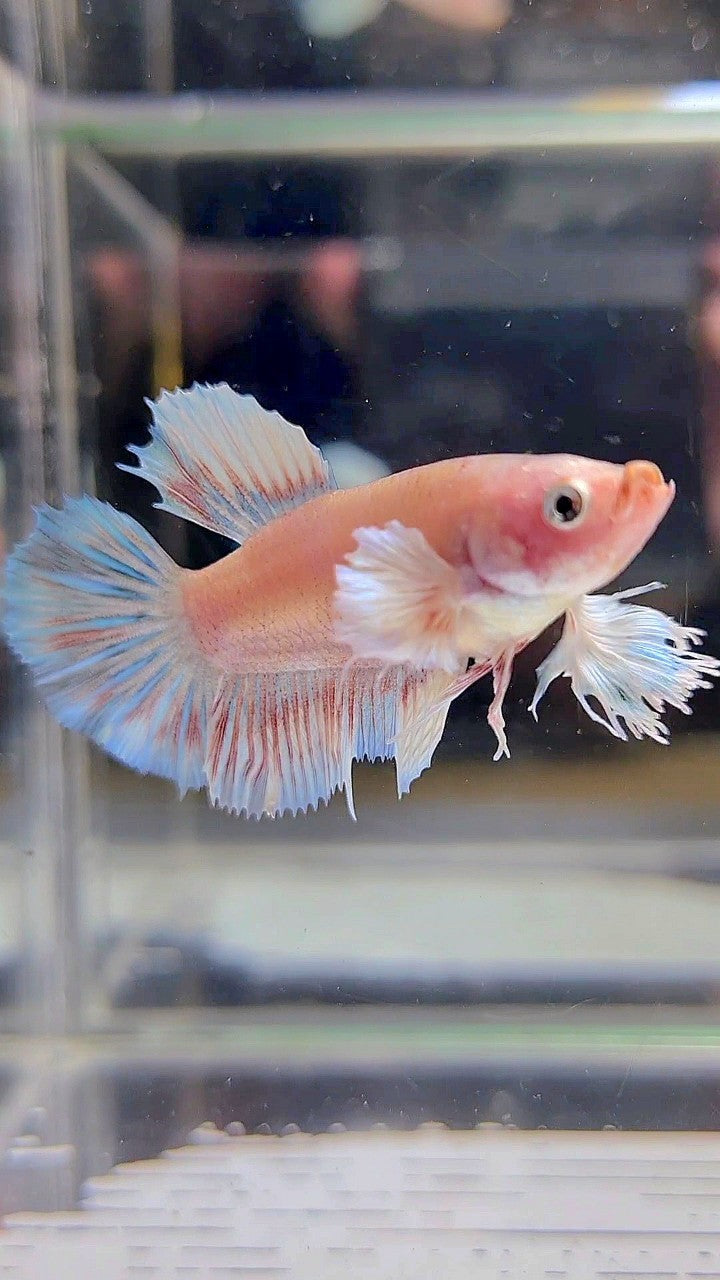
(562, 525)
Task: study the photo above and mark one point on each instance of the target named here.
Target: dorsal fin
(221, 460)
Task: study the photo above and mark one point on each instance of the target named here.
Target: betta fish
(346, 621)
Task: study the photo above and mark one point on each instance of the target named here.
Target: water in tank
(473, 1032)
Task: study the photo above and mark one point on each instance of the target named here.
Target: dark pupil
(566, 506)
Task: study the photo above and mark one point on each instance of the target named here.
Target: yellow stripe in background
(611, 100)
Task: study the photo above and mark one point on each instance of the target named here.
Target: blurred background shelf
(359, 124)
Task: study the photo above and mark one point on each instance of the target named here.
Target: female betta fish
(344, 624)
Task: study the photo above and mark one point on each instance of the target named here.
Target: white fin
(633, 660)
(421, 725)
(280, 744)
(437, 694)
(219, 459)
(94, 609)
(397, 600)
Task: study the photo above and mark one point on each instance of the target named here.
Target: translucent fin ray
(278, 744)
(397, 600)
(222, 461)
(633, 661)
(420, 735)
(286, 744)
(93, 607)
(421, 725)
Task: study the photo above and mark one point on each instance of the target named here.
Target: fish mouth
(643, 486)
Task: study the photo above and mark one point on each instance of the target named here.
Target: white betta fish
(344, 624)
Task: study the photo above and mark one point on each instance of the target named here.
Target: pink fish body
(276, 597)
(343, 625)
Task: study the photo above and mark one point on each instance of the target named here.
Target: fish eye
(564, 506)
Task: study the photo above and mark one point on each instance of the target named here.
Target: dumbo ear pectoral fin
(397, 600)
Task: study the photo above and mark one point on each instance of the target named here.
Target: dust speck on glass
(262, 260)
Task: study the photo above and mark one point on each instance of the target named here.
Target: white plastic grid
(427, 1205)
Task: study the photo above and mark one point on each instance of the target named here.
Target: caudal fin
(93, 607)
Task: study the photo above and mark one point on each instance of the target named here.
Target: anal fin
(284, 744)
(421, 724)
(278, 744)
(422, 721)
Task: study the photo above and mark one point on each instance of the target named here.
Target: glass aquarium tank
(476, 1032)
